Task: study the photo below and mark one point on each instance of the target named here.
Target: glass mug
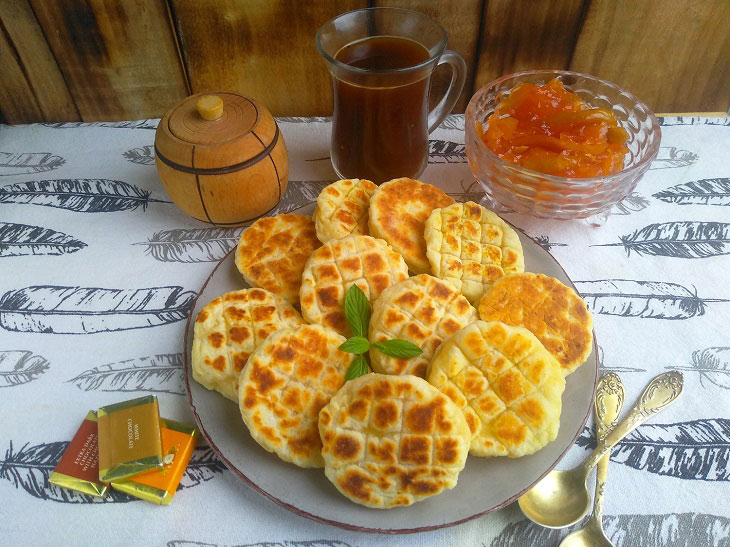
(381, 61)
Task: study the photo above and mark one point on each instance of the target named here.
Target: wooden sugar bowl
(221, 158)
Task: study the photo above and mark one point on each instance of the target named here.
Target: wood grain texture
(64, 60)
(525, 35)
(263, 49)
(460, 19)
(119, 59)
(32, 87)
(672, 55)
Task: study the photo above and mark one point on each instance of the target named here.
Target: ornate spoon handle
(658, 395)
(609, 402)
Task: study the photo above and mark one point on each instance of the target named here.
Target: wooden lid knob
(190, 123)
(210, 107)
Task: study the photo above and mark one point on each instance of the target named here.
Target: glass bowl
(549, 196)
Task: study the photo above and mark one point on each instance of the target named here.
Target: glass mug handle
(446, 104)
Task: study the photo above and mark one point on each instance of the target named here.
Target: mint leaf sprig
(359, 367)
(357, 311)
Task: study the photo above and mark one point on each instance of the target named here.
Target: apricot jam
(548, 129)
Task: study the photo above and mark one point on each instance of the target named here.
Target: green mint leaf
(356, 344)
(398, 348)
(357, 311)
(358, 367)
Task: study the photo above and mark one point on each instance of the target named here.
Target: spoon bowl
(558, 500)
(591, 535)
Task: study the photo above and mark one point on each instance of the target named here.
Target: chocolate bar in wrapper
(129, 438)
(159, 485)
(78, 468)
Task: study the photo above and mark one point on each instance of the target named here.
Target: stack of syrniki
(490, 388)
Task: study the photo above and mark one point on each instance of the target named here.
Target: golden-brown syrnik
(550, 310)
(229, 329)
(423, 310)
(508, 385)
(398, 212)
(471, 247)
(288, 379)
(342, 209)
(271, 253)
(390, 441)
(358, 260)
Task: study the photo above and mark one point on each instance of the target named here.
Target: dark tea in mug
(380, 120)
(381, 61)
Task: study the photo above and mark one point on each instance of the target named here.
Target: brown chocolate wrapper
(78, 468)
(129, 438)
(159, 485)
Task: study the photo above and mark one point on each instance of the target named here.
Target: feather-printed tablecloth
(98, 270)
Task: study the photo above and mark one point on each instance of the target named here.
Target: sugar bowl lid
(216, 130)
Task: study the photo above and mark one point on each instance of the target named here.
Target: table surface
(654, 275)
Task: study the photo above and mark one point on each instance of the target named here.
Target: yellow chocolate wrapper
(129, 438)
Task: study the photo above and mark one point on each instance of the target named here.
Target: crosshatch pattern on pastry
(229, 329)
(423, 310)
(392, 440)
(358, 260)
(342, 209)
(508, 385)
(272, 252)
(284, 386)
(471, 247)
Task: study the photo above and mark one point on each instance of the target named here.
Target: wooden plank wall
(66, 60)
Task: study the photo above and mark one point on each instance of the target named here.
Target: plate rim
(344, 525)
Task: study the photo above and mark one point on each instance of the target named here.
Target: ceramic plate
(485, 484)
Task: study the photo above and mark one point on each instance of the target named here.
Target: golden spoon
(609, 401)
(561, 498)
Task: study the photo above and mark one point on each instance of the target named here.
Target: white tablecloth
(655, 276)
